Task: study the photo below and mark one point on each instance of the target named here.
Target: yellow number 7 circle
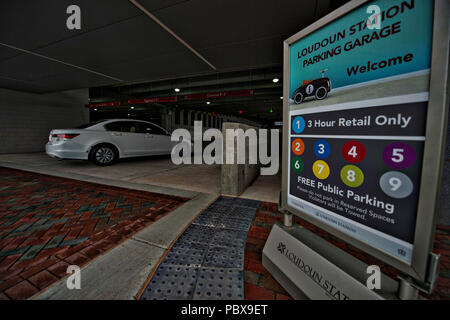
(321, 169)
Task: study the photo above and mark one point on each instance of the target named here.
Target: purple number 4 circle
(399, 155)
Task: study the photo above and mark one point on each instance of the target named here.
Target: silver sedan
(105, 141)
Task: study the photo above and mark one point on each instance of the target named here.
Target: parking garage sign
(356, 167)
(357, 103)
(351, 55)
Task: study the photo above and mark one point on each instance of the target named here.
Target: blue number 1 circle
(298, 125)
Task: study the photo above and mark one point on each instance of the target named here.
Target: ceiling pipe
(59, 61)
(173, 34)
(193, 84)
(206, 89)
(259, 88)
(218, 80)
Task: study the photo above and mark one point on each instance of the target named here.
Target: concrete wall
(236, 177)
(26, 118)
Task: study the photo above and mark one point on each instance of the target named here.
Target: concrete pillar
(172, 118)
(162, 111)
(181, 117)
(166, 118)
(204, 119)
(190, 116)
(235, 178)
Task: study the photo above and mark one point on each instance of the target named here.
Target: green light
(271, 110)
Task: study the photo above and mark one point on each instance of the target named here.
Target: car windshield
(90, 124)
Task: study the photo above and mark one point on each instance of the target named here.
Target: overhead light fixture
(281, 98)
(177, 90)
(207, 102)
(132, 108)
(276, 80)
(95, 109)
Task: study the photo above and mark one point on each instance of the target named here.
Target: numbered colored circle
(322, 149)
(396, 184)
(321, 169)
(352, 176)
(399, 155)
(298, 125)
(354, 151)
(297, 165)
(298, 147)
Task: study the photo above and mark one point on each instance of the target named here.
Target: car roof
(128, 120)
(109, 120)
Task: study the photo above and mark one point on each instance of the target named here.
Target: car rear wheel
(104, 155)
(321, 93)
(298, 98)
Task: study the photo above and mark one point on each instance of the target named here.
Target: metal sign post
(364, 144)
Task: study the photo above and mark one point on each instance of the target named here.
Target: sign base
(309, 267)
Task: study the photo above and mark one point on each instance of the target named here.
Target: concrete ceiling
(265, 94)
(119, 44)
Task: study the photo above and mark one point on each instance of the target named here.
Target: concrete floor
(156, 174)
(156, 171)
(264, 188)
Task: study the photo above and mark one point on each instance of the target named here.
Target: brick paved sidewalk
(48, 223)
(260, 285)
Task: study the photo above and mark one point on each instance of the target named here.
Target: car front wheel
(104, 155)
(321, 93)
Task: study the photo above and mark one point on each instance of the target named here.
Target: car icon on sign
(318, 88)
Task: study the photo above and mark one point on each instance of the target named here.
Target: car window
(123, 126)
(90, 124)
(133, 127)
(151, 129)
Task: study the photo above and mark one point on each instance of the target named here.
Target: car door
(127, 135)
(158, 140)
